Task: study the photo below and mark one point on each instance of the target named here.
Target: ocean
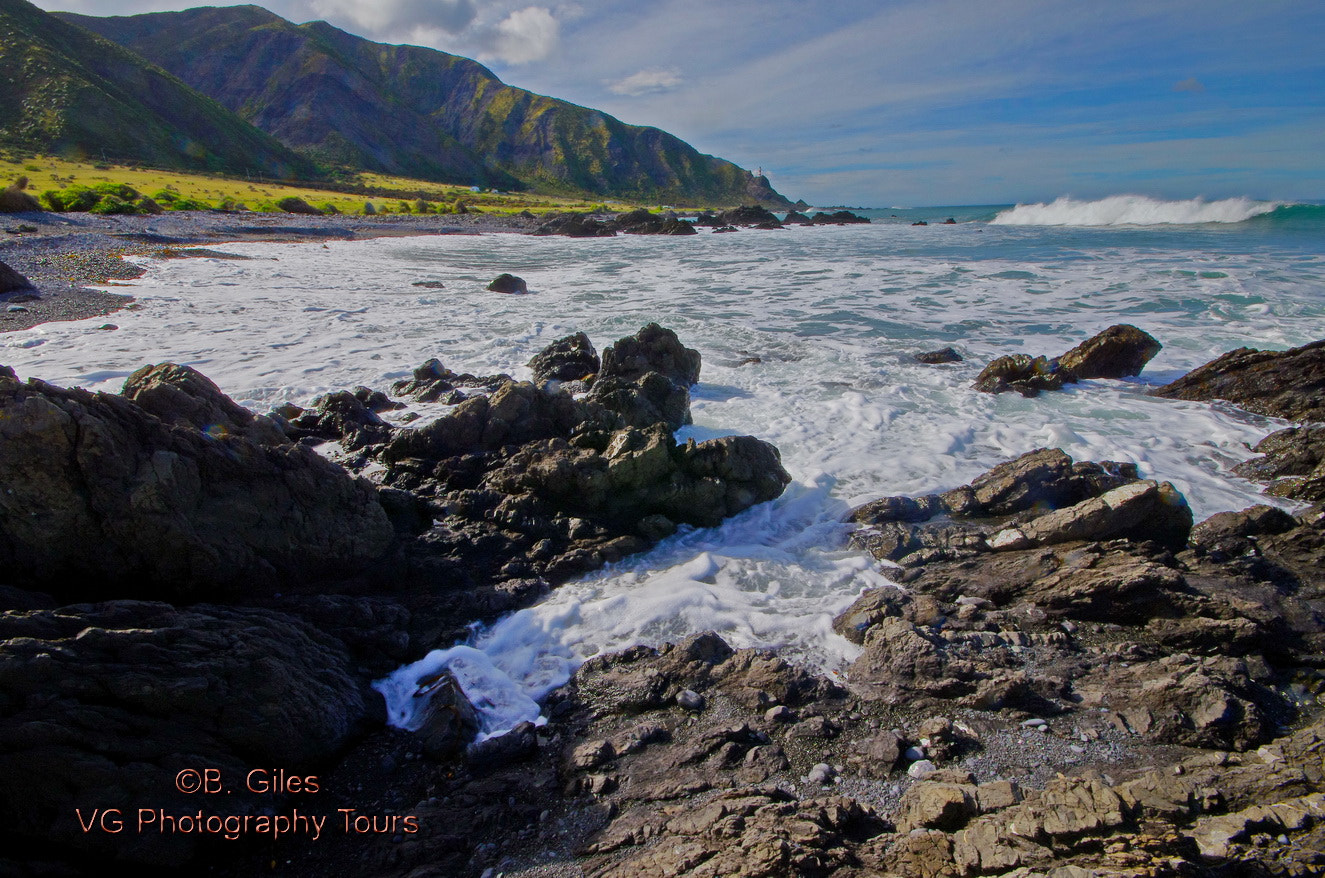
(807, 337)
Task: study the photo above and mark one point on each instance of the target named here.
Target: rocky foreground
(1074, 678)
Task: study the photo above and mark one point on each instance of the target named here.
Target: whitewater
(807, 337)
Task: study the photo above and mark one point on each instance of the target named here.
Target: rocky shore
(1073, 677)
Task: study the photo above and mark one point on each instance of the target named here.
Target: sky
(884, 103)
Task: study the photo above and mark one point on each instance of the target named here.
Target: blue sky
(914, 103)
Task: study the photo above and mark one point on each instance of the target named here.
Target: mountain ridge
(66, 90)
(408, 110)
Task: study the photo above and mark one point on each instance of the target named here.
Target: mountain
(345, 100)
(65, 90)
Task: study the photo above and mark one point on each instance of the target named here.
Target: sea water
(807, 337)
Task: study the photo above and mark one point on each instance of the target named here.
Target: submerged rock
(940, 356)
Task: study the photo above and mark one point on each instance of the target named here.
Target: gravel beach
(64, 255)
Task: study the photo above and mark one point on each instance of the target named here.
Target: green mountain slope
(65, 90)
(414, 111)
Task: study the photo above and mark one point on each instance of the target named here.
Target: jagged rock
(932, 805)
(796, 218)
(1023, 373)
(11, 281)
(131, 503)
(344, 417)
(1117, 352)
(1293, 461)
(940, 356)
(104, 704)
(1282, 384)
(508, 283)
(433, 382)
(449, 722)
(181, 395)
(652, 349)
(572, 358)
(1230, 534)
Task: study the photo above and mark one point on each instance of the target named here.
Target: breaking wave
(1133, 210)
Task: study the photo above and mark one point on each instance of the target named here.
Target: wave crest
(1133, 210)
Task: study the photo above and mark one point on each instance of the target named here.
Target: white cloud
(529, 34)
(645, 82)
(396, 16)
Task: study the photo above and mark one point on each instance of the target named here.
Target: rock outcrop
(105, 498)
(1282, 384)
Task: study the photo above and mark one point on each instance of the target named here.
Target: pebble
(821, 774)
(921, 768)
(688, 699)
(913, 754)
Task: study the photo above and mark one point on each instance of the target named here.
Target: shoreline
(65, 255)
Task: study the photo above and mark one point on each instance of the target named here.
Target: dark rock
(1230, 534)
(11, 281)
(429, 284)
(449, 722)
(1144, 510)
(642, 222)
(572, 358)
(343, 416)
(183, 396)
(838, 218)
(1282, 384)
(508, 283)
(1023, 373)
(652, 349)
(1117, 352)
(104, 704)
(575, 225)
(134, 504)
(943, 355)
(796, 218)
(749, 215)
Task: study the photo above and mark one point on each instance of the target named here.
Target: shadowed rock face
(103, 497)
(104, 703)
(11, 281)
(1281, 384)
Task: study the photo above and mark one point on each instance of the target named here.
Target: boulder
(1282, 384)
(796, 218)
(1023, 373)
(1144, 510)
(940, 356)
(508, 283)
(448, 722)
(749, 215)
(11, 281)
(652, 349)
(572, 358)
(642, 222)
(1117, 352)
(132, 505)
(343, 416)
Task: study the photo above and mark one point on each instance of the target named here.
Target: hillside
(341, 99)
(65, 90)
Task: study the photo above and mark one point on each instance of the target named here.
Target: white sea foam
(832, 315)
(1136, 210)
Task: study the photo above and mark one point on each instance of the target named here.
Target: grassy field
(385, 194)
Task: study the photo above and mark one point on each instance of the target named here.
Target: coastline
(65, 255)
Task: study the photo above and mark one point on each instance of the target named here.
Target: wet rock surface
(1117, 352)
(1281, 384)
(1071, 679)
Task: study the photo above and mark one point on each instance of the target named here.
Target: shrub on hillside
(14, 200)
(294, 204)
